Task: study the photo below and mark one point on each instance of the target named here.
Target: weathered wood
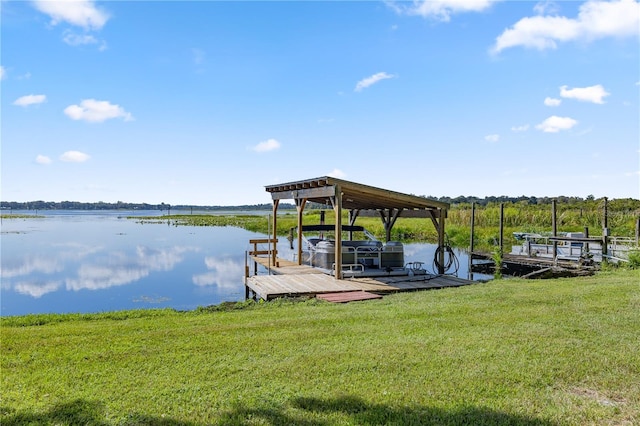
(554, 229)
(348, 296)
(576, 239)
(261, 252)
(501, 243)
(303, 280)
(300, 203)
(262, 241)
(338, 232)
(441, 242)
(275, 229)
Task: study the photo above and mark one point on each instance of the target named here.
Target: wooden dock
(531, 267)
(289, 279)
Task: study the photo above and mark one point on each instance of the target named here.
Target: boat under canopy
(358, 199)
(362, 254)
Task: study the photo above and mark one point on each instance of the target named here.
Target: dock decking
(290, 279)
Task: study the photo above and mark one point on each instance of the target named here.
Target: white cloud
(81, 13)
(199, 56)
(522, 128)
(27, 100)
(596, 19)
(73, 39)
(337, 173)
(587, 94)
(268, 145)
(546, 8)
(369, 81)
(96, 111)
(43, 159)
(492, 138)
(552, 102)
(554, 124)
(440, 10)
(3, 72)
(74, 157)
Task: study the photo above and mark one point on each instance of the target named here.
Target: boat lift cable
(451, 262)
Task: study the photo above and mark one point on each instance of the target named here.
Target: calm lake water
(79, 261)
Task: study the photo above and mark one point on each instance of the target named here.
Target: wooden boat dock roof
(358, 199)
(355, 196)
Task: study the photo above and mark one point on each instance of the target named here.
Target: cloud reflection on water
(36, 289)
(119, 268)
(30, 265)
(224, 272)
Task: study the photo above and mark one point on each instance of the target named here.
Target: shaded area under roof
(355, 196)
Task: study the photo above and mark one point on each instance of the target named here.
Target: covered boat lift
(358, 200)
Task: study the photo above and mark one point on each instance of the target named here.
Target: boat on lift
(363, 255)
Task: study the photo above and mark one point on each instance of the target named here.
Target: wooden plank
(291, 279)
(263, 240)
(348, 296)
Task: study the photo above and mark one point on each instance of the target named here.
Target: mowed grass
(552, 352)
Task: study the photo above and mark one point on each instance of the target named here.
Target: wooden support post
(605, 231)
(275, 232)
(473, 224)
(441, 242)
(300, 209)
(638, 231)
(501, 238)
(554, 230)
(389, 218)
(471, 242)
(586, 235)
(337, 207)
(387, 225)
(353, 214)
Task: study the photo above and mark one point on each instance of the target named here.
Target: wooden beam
(441, 242)
(337, 208)
(300, 203)
(275, 232)
(389, 217)
(293, 194)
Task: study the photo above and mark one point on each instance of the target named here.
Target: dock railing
(259, 250)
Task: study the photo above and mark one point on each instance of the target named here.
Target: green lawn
(550, 352)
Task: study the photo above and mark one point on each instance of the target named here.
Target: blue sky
(206, 102)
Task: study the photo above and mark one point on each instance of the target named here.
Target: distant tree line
(628, 204)
(100, 205)
(590, 201)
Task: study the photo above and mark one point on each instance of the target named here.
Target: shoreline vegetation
(522, 214)
(622, 221)
(559, 352)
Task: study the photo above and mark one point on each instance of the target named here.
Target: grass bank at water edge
(553, 352)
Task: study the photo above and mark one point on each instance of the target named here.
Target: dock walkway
(289, 279)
